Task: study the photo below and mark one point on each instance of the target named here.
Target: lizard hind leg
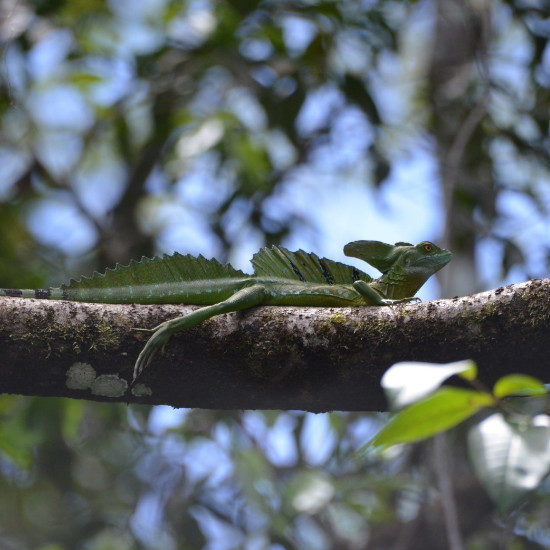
(242, 299)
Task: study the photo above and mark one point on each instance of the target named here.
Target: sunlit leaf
(518, 384)
(510, 459)
(309, 491)
(410, 381)
(442, 410)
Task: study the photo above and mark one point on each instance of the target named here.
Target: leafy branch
(509, 449)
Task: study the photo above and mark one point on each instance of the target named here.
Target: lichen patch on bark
(80, 376)
(109, 385)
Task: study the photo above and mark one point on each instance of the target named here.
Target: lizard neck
(394, 288)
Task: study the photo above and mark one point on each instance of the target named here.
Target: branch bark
(314, 359)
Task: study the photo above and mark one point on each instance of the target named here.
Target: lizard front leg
(242, 299)
(374, 298)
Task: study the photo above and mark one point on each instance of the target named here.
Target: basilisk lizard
(280, 277)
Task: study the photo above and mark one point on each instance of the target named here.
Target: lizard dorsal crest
(304, 266)
(162, 269)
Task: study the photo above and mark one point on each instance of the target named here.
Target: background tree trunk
(458, 84)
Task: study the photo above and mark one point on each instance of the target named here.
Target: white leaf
(407, 382)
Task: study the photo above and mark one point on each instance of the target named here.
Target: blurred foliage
(509, 450)
(125, 122)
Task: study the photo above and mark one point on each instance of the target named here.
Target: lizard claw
(153, 347)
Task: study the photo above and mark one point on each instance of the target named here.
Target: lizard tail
(41, 294)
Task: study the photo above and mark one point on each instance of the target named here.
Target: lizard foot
(153, 347)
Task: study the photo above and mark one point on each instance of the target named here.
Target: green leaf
(407, 382)
(510, 459)
(18, 449)
(518, 384)
(442, 410)
(17, 441)
(84, 80)
(73, 412)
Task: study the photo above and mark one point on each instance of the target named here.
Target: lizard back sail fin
(304, 266)
(163, 269)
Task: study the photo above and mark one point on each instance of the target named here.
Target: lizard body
(281, 277)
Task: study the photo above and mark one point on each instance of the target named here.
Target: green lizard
(280, 277)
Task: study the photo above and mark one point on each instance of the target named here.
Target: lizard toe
(153, 347)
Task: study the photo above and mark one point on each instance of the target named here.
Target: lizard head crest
(419, 261)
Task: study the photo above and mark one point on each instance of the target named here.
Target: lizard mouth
(441, 259)
(447, 256)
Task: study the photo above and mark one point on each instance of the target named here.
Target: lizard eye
(428, 247)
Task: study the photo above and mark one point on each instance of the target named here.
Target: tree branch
(315, 359)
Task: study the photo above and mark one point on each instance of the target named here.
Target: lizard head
(401, 261)
(425, 257)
